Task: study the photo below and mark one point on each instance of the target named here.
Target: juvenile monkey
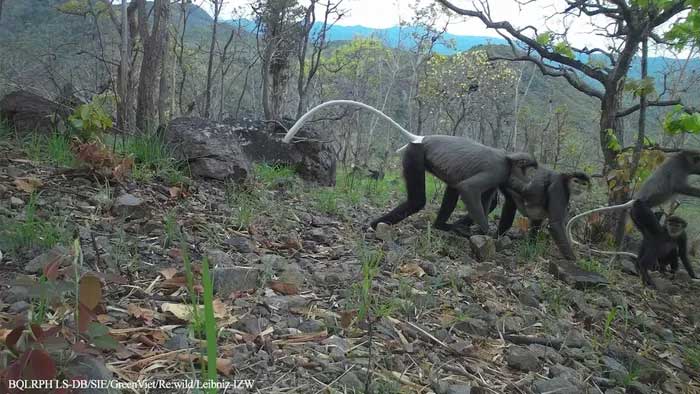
(675, 247)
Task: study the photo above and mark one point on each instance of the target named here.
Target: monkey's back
(454, 159)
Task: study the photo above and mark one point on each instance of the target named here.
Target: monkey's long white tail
(288, 137)
(626, 205)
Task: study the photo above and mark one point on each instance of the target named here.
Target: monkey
(542, 194)
(470, 170)
(674, 247)
(669, 179)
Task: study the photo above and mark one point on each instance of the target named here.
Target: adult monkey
(669, 179)
(545, 197)
(470, 170)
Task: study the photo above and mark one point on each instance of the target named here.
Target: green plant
(609, 318)
(327, 200)
(593, 265)
(209, 323)
(692, 357)
(172, 230)
(152, 158)
(32, 231)
(531, 248)
(91, 120)
(269, 174)
(245, 202)
(59, 150)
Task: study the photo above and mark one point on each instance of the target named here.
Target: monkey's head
(692, 160)
(578, 183)
(675, 225)
(522, 164)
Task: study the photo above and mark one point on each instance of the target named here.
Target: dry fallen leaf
(175, 192)
(283, 287)
(181, 311)
(29, 185)
(412, 269)
(168, 273)
(144, 314)
(346, 318)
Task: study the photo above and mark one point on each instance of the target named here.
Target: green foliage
(563, 48)
(593, 265)
(209, 323)
(270, 174)
(244, 202)
(327, 200)
(370, 260)
(544, 39)
(685, 32)
(59, 150)
(531, 248)
(91, 120)
(678, 121)
(609, 318)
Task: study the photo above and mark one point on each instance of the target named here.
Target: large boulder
(223, 150)
(28, 112)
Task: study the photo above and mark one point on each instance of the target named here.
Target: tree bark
(210, 63)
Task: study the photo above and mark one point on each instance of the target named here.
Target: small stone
(219, 259)
(19, 307)
(483, 246)
(473, 327)
(428, 267)
(384, 232)
(37, 264)
(129, 206)
(311, 326)
(509, 324)
(233, 279)
(459, 389)
(178, 341)
(273, 261)
(240, 244)
(575, 276)
(556, 385)
(527, 297)
(637, 388)
(91, 369)
(292, 274)
(521, 358)
(351, 382)
(16, 202)
(503, 243)
(558, 370)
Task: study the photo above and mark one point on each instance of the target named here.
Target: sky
(388, 13)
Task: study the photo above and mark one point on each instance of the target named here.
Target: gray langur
(676, 247)
(668, 180)
(470, 170)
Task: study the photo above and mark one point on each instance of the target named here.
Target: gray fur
(671, 178)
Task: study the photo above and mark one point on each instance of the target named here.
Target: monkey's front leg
(471, 190)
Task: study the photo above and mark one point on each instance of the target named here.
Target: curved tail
(626, 205)
(288, 137)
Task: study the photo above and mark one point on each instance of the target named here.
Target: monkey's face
(578, 186)
(675, 226)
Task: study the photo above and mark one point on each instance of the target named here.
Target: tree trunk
(123, 102)
(153, 42)
(164, 88)
(210, 63)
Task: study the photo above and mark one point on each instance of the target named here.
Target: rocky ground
(446, 314)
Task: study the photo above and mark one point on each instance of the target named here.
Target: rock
(527, 297)
(251, 325)
(178, 341)
(575, 276)
(614, 370)
(503, 243)
(628, 266)
(241, 244)
(90, 369)
(227, 150)
(273, 261)
(352, 383)
(637, 388)
(36, 265)
(232, 279)
(473, 327)
(428, 267)
(546, 353)
(210, 148)
(292, 274)
(284, 303)
(558, 370)
(311, 326)
(384, 232)
(19, 307)
(509, 324)
(483, 246)
(16, 202)
(521, 358)
(219, 259)
(320, 235)
(556, 385)
(459, 389)
(28, 112)
(129, 206)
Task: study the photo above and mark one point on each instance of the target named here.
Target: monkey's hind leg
(414, 174)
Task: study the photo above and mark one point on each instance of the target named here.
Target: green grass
(270, 174)
(531, 248)
(31, 231)
(593, 265)
(692, 357)
(152, 158)
(245, 202)
(52, 149)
